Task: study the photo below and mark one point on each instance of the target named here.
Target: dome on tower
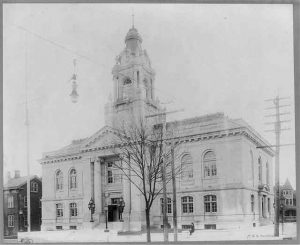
(133, 34)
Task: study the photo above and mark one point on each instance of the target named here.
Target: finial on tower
(132, 19)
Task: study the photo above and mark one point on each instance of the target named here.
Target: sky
(207, 58)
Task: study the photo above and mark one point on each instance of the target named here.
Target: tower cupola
(133, 41)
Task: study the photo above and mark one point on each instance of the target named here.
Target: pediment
(103, 138)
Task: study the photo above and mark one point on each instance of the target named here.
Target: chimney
(8, 177)
(17, 174)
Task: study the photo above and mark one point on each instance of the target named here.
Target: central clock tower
(133, 79)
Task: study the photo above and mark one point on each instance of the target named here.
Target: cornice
(241, 131)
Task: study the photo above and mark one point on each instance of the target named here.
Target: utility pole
(174, 194)
(277, 130)
(165, 201)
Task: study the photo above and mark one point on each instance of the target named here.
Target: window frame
(11, 220)
(187, 205)
(25, 201)
(34, 187)
(73, 179)
(169, 205)
(59, 208)
(210, 164)
(259, 169)
(73, 209)
(10, 201)
(252, 199)
(59, 180)
(211, 204)
(187, 167)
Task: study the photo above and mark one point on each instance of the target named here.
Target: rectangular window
(11, 220)
(210, 203)
(186, 227)
(59, 227)
(73, 209)
(169, 205)
(34, 187)
(110, 178)
(252, 203)
(25, 201)
(59, 210)
(25, 220)
(10, 201)
(73, 227)
(187, 204)
(210, 227)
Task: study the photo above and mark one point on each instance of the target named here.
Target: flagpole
(27, 136)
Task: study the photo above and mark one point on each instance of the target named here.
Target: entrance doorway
(113, 213)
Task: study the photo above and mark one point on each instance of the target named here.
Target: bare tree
(142, 150)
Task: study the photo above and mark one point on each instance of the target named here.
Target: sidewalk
(97, 235)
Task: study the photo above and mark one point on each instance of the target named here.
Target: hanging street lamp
(74, 95)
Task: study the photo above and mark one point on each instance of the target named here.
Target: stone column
(97, 189)
(260, 205)
(92, 179)
(132, 211)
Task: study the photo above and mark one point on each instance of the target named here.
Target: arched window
(210, 203)
(73, 179)
(252, 203)
(73, 209)
(169, 205)
(187, 167)
(187, 204)
(209, 164)
(59, 180)
(259, 170)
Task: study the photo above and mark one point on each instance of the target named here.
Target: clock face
(127, 81)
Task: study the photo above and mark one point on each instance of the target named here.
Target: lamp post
(92, 208)
(106, 211)
(121, 209)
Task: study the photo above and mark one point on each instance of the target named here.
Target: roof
(17, 182)
(287, 185)
(210, 123)
(186, 127)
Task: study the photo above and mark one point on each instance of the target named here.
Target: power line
(54, 43)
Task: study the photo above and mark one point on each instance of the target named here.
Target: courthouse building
(227, 181)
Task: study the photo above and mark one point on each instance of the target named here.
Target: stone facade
(227, 182)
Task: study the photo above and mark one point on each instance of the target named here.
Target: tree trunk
(148, 225)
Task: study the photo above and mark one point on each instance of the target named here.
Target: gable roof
(81, 145)
(17, 182)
